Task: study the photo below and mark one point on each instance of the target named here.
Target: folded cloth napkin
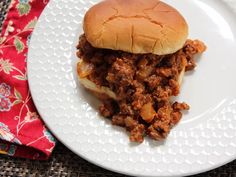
(22, 132)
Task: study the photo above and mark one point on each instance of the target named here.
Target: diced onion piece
(84, 69)
(181, 76)
(147, 112)
(145, 72)
(142, 63)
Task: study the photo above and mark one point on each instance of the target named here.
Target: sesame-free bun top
(135, 26)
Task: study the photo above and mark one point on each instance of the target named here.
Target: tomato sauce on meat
(143, 84)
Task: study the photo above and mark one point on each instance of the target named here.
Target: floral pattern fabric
(22, 132)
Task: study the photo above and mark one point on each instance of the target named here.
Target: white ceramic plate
(204, 139)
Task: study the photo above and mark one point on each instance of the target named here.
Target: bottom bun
(100, 92)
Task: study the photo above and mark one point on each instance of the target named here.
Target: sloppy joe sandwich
(133, 56)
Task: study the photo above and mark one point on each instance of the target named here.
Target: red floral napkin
(22, 132)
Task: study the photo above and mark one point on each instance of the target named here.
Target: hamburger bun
(135, 26)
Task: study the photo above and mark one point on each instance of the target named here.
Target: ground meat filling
(143, 84)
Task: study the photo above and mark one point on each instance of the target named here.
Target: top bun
(135, 26)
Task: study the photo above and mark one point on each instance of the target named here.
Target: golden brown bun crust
(136, 26)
